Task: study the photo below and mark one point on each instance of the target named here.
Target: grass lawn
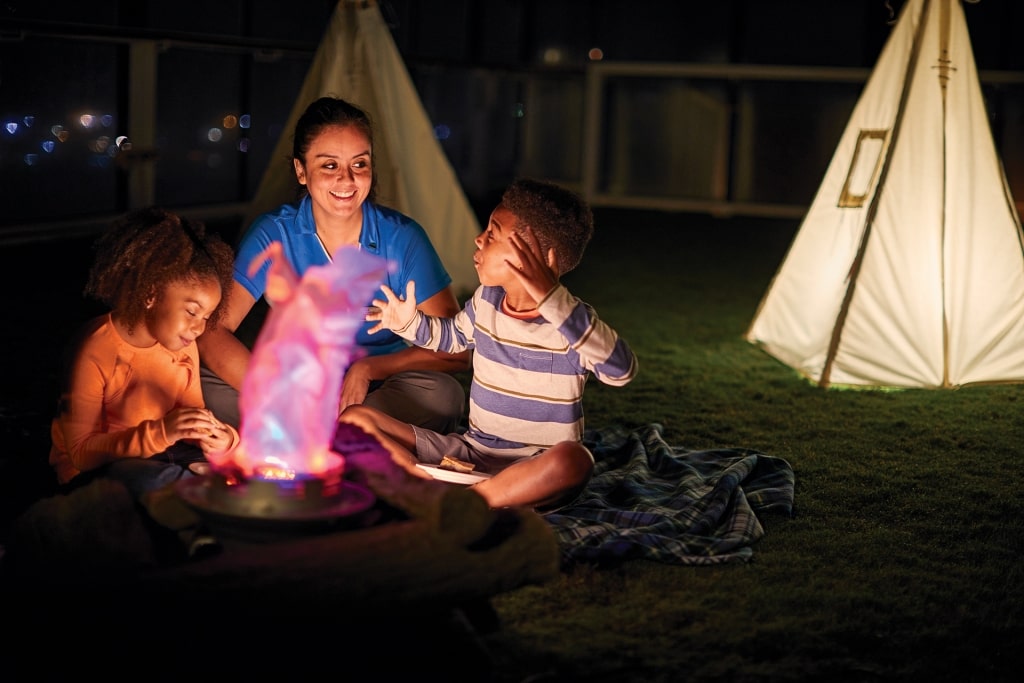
(902, 560)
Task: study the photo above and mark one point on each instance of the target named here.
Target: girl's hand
(217, 440)
(395, 313)
(198, 424)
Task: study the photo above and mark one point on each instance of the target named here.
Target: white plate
(452, 476)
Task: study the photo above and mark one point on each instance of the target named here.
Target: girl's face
(179, 314)
(337, 172)
(495, 257)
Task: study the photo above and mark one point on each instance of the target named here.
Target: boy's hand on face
(537, 274)
(395, 313)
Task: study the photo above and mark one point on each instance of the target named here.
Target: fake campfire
(284, 476)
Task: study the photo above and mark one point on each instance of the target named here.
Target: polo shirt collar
(369, 236)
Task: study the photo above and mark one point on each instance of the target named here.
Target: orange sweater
(116, 400)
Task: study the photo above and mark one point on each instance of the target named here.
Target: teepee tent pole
(908, 79)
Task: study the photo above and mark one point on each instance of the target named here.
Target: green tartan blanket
(648, 499)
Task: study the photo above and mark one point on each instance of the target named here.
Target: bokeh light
(442, 132)
(100, 144)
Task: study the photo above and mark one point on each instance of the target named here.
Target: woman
(333, 160)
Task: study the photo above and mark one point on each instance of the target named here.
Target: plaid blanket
(651, 500)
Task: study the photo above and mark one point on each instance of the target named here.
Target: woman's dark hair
(145, 250)
(327, 112)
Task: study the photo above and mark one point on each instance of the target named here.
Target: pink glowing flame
(289, 397)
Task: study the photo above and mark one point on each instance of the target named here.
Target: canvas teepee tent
(358, 61)
(908, 269)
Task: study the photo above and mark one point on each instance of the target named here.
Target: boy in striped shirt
(534, 344)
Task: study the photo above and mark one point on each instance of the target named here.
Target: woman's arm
(219, 349)
(365, 370)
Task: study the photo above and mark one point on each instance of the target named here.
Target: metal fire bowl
(264, 510)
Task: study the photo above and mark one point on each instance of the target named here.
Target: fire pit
(284, 477)
(264, 510)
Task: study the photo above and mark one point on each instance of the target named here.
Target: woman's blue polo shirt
(386, 233)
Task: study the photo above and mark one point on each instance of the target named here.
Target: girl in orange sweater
(132, 405)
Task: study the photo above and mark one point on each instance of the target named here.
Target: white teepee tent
(908, 269)
(357, 60)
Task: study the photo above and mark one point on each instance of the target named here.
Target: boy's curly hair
(560, 218)
(145, 250)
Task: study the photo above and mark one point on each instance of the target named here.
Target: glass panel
(1006, 114)
(477, 117)
(59, 121)
(274, 86)
(665, 138)
(553, 128)
(786, 136)
(200, 139)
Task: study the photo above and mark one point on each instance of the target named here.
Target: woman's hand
(355, 385)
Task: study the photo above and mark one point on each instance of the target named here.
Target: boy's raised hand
(396, 313)
(537, 272)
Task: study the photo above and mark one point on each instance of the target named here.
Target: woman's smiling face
(337, 171)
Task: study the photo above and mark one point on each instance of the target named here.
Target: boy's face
(495, 258)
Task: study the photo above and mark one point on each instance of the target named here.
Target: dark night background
(502, 81)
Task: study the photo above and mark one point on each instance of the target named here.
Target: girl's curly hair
(145, 250)
(560, 218)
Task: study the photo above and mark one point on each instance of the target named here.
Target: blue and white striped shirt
(528, 375)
